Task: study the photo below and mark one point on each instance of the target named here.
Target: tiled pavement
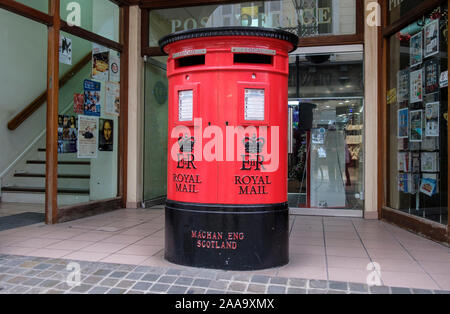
(329, 252)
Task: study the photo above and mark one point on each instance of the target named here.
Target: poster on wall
(92, 98)
(432, 38)
(112, 107)
(403, 123)
(65, 50)
(78, 103)
(403, 86)
(431, 76)
(87, 136)
(114, 66)
(67, 134)
(416, 51)
(416, 84)
(416, 123)
(100, 63)
(432, 119)
(106, 136)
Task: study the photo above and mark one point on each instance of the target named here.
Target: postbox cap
(230, 31)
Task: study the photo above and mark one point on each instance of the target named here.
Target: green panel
(155, 137)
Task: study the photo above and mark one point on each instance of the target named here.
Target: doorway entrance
(326, 132)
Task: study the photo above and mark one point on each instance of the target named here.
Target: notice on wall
(432, 119)
(100, 63)
(67, 134)
(106, 136)
(432, 38)
(114, 66)
(65, 50)
(112, 107)
(78, 103)
(92, 98)
(87, 136)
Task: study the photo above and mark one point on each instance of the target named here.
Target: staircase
(26, 181)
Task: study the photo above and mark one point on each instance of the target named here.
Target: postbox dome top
(230, 31)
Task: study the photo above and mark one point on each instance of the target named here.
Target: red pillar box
(227, 165)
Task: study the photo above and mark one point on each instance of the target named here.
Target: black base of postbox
(227, 237)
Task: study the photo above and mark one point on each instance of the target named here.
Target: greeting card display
(431, 76)
(432, 119)
(404, 162)
(429, 184)
(416, 51)
(416, 123)
(416, 86)
(432, 38)
(429, 162)
(430, 144)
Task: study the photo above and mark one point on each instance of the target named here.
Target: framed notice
(432, 38)
(87, 136)
(416, 49)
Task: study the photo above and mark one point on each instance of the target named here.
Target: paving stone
(18, 280)
(93, 280)
(46, 274)
(196, 291)
(31, 273)
(175, 272)
(109, 282)
(142, 269)
(142, 286)
(53, 291)
(150, 277)
(396, 290)
(203, 283)
(256, 288)
(214, 291)
(336, 285)
(159, 287)
(49, 283)
(36, 290)
(317, 291)
(18, 290)
(422, 291)
(167, 279)
(296, 291)
(318, 284)
(177, 290)
(242, 278)
(98, 290)
(237, 286)
(127, 268)
(81, 288)
(42, 266)
(336, 292)
(32, 282)
(441, 292)
(278, 281)
(358, 287)
(206, 275)
(135, 292)
(379, 290)
(276, 290)
(224, 276)
(219, 284)
(102, 272)
(298, 283)
(118, 274)
(260, 279)
(184, 281)
(57, 268)
(135, 276)
(125, 284)
(116, 291)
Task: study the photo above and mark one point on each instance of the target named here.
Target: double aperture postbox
(227, 165)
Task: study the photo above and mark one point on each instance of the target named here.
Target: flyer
(429, 162)
(432, 38)
(92, 98)
(67, 134)
(416, 51)
(428, 185)
(114, 66)
(78, 103)
(416, 85)
(100, 63)
(403, 86)
(403, 123)
(431, 76)
(416, 124)
(106, 136)
(112, 107)
(65, 50)
(432, 119)
(87, 136)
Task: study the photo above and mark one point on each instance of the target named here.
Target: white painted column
(135, 112)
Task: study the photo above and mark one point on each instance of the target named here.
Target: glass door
(326, 140)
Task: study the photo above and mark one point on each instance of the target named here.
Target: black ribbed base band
(227, 237)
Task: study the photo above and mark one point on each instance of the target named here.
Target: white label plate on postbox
(254, 104)
(261, 51)
(186, 105)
